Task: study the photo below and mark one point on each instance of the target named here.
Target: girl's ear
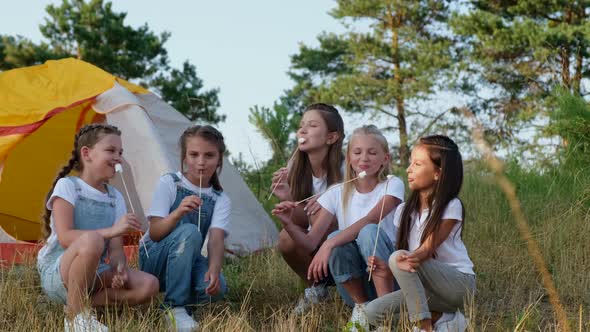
(387, 160)
(85, 153)
(437, 174)
(332, 138)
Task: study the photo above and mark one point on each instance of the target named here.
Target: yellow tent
(41, 109)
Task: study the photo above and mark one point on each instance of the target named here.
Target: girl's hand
(214, 283)
(284, 211)
(318, 269)
(407, 263)
(120, 278)
(279, 184)
(188, 204)
(379, 267)
(312, 206)
(126, 224)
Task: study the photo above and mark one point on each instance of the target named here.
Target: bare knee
(286, 245)
(150, 287)
(91, 244)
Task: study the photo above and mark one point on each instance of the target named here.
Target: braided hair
(88, 136)
(445, 156)
(211, 135)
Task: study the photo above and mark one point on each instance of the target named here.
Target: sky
(241, 47)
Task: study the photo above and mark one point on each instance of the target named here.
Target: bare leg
(355, 288)
(140, 287)
(297, 259)
(382, 278)
(78, 269)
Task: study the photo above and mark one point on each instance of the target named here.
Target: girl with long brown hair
(431, 264)
(316, 164)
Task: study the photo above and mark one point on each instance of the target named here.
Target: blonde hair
(349, 173)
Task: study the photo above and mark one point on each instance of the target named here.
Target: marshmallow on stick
(300, 140)
(379, 222)
(360, 176)
(119, 169)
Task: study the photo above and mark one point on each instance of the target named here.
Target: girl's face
(367, 154)
(201, 159)
(315, 131)
(422, 172)
(101, 159)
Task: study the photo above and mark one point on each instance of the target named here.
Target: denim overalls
(89, 214)
(176, 260)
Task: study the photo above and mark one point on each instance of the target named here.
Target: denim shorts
(51, 280)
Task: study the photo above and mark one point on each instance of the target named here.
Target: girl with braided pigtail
(84, 219)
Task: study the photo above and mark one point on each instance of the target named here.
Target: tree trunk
(404, 151)
(565, 56)
(579, 57)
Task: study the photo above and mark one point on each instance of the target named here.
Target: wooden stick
(361, 175)
(379, 223)
(119, 169)
(200, 194)
(280, 177)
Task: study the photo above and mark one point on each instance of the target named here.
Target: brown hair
(88, 136)
(300, 174)
(445, 155)
(211, 135)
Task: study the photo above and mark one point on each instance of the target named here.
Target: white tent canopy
(150, 131)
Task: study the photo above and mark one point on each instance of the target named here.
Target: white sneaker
(359, 320)
(457, 324)
(180, 321)
(313, 295)
(84, 322)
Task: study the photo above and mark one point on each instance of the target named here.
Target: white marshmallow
(301, 140)
(118, 168)
(362, 174)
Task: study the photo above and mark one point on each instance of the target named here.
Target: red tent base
(26, 253)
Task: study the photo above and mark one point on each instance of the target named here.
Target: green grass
(510, 295)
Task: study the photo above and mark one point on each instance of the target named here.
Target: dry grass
(263, 290)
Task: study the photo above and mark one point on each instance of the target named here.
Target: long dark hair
(88, 136)
(445, 155)
(212, 136)
(300, 175)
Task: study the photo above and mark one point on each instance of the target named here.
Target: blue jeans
(178, 264)
(349, 261)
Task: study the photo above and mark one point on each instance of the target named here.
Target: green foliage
(515, 52)
(93, 32)
(571, 121)
(276, 125)
(183, 90)
(391, 57)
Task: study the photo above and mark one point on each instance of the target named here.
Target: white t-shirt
(361, 203)
(319, 184)
(452, 250)
(66, 189)
(165, 195)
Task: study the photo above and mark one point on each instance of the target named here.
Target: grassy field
(510, 295)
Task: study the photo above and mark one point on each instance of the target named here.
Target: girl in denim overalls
(84, 217)
(177, 233)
